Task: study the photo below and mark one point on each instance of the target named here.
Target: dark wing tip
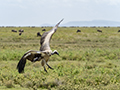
(21, 65)
(60, 22)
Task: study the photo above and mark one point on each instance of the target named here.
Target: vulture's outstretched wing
(32, 56)
(45, 38)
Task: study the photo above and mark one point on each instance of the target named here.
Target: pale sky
(39, 12)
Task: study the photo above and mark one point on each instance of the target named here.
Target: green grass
(88, 60)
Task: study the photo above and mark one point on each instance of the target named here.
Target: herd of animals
(45, 51)
(20, 31)
(97, 30)
(39, 34)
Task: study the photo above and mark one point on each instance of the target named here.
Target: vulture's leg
(43, 62)
(45, 69)
(49, 66)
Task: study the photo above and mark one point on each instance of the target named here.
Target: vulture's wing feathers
(30, 55)
(45, 38)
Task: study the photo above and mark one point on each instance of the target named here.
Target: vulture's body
(44, 53)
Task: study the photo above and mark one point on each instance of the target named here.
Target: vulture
(43, 55)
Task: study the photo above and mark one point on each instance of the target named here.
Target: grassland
(88, 60)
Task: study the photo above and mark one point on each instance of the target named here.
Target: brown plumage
(44, 53)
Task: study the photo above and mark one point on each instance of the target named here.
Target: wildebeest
(99, 30)
(21, 30)
(78, 31)
(44, 30)
(14, 30)
(38, 34)
(118, 30)
(20, 33)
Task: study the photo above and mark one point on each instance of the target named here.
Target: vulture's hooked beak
(57, 53)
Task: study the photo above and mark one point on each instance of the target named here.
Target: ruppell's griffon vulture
(44, 53)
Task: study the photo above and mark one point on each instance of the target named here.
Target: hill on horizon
(92, 23)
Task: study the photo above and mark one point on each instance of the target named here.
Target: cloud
(114, 2)
(49, 11)
(109, 2)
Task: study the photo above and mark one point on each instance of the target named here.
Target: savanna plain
(89, 60)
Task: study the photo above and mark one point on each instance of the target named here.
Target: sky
(43, 12)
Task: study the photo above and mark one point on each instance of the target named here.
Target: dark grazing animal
(43, 55)
(38, 34)
(14, 30)
(21, 30)
(118, 30)
(20, 33)
(99, 30)
(78, 31)
(44, 30)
